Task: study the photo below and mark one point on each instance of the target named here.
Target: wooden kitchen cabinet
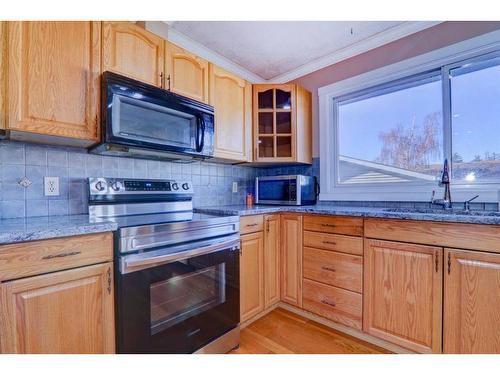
(186, 73)
(53, 81)
(271, 260)
(133, 51)
(3, 76)
(251, 275)
(403, 294)
(231, 97)
(64, 312)
(282, 124)
(471, 302)
(291, 259)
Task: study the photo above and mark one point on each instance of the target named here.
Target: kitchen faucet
(445, 181)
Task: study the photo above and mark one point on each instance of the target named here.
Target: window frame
(472, 51)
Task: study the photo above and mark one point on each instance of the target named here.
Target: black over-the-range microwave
(145, 121)
(293, 190)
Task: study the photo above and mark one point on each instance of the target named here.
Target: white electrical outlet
(51, 186)
(235, 186)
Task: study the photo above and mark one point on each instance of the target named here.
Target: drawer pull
(326, 302)
(329, 243)
(252, 225)
(329, 225)
(62, 255)
(328, 269)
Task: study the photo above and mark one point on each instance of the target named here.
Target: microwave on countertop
(293, 190)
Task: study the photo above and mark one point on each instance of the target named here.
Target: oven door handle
(136, 262)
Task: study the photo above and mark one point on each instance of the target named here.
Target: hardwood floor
(283, 332)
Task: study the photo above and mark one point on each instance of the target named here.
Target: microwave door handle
(202, 128)
(198, 133)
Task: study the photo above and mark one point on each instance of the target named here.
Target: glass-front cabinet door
(274, 119)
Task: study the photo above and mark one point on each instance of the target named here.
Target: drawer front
(251, 224)
(337, 269)
(335, 242)
(457, 235)
(38, 257)
(339, 305)
(333, 224)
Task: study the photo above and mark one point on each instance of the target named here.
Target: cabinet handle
(329, 225)
(168, 82)
(62, 255)
(109, 280)
(267, 225)
(328, 268)
(449, 263)
(326, 302)
(252, 225)
(329, 243)
(437, 261)
(162, 81)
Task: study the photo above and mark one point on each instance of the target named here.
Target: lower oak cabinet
(70, 310)
(271, 260)
(471, 302)
(403, 294)
(259, 264)
(291, 259)
(251, 275)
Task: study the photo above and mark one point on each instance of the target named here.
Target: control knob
(100, 185)
(175, 186)
(185, 186)
(116, 186)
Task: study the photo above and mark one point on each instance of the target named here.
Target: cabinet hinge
(449, 263)
(109, 280)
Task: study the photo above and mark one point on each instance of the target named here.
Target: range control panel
(124, 186)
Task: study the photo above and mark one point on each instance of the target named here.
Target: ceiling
(274, 50)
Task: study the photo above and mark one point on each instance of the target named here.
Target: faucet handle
(467, 203)
(433, 195)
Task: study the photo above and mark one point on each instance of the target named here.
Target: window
(384, 135)
(392, 134)
(475, 121)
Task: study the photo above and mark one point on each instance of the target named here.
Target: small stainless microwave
(294, 190)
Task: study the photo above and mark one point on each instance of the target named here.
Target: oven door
(171, 305)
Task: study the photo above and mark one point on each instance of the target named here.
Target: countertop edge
(365, 212)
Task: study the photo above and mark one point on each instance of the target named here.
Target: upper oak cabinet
(131, 50)
(186, 73)
(3, 73)
(231, 97)
(53, 80)
(282, 124)
(471, 302)
(403, 294)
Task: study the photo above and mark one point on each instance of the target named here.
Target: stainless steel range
(177, 272)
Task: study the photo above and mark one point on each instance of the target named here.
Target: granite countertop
(40, 228)
(455, 216)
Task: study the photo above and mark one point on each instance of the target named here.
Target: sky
(475, 111)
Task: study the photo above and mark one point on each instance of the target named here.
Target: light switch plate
(51, 186)
(235, 186)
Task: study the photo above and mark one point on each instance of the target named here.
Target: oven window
(183, 296)
(148, 122)
(275, 190)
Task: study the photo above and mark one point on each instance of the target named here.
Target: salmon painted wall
(413, 45)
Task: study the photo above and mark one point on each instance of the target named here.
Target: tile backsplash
(212, 182)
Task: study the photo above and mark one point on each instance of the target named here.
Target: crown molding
(377, 40)
(193, 46)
